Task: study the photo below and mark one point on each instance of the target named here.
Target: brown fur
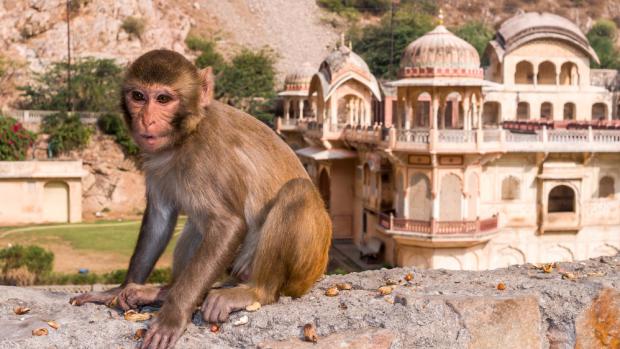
(252, 210)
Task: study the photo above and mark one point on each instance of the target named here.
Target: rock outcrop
(575, 305)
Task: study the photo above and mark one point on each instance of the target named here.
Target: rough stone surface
(437, 309)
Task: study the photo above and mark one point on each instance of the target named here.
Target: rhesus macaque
(252, 210)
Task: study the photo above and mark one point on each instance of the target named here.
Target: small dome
(439, 53)
(299, 80)
(344, 57)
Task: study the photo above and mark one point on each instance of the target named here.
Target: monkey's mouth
(151, 138)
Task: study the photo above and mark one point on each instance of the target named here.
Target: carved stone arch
(557, 253)
(450, 197)
(508, 256)
(419, 197)
(604, 250)
(562, 198)
(524, 73)
(511, 188)
(447, 262)
(56, 202)
(546, 73)
(607, 187)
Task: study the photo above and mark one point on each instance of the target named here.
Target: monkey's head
(163, 98)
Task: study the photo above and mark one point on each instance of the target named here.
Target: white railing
(412, 136)
(606, 136)
(512, 137)
(492, 135)
(567, 136)
(37, 116)
(457, 136)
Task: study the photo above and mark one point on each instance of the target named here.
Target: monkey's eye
(137, 96)
(163, 99)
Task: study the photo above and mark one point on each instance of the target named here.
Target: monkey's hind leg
(290, 256)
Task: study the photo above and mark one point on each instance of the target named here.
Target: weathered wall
(437, 309)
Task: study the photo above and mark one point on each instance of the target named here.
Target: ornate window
(606, 187)
(511, 188)
(546, 111)
(523, 111)
(561, 199)
(524, 73)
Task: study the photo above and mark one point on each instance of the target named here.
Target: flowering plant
(14, 139)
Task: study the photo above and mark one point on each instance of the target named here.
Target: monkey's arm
(155, 232)
(222, 237)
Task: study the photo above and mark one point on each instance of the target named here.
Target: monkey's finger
(156, 340)
(149, 336)
(163, 342)
(175, 337)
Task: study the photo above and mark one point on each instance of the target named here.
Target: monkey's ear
(207, 81)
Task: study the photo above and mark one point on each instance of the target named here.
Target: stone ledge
(437, 309)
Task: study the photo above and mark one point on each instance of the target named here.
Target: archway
(450, 198)
(561, 199)
(423, 110)
(546, 111)
(324, 187)
(523, 111)
(546, 73)
(490, 114)
(599, 111)
(569, 74)
(524, 73)
(510, 188)
(419, 198)
(606, 187)
(56, 202)
(569, 111)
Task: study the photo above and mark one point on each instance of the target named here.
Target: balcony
(438, 234)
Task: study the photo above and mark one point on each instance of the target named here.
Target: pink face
(152, 110)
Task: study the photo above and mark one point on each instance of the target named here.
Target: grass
(101, 246)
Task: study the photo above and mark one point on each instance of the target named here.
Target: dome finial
(440, 16)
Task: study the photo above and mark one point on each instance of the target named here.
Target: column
(435, 112)
(466, 112)
(287, 107)
(301, 108)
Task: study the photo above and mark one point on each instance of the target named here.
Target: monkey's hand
(135, 295)
(167, 328)
(105, 297)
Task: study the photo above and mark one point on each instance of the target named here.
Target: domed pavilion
(295, 94)
(440, 83)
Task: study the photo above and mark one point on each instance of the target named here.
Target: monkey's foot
(95, 297)
(221, 302)
(134, 295)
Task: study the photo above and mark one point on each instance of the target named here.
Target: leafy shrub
(250, 75)
(112, 124)
(344, 6)
(209, 57)
(134, 26)
(14, 139)
(375, 42)
(95, 86)
(602, 37)
(476, 33)
(159, 276)
(67, 132)
(34, 258)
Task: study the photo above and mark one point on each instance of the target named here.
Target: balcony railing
(437, 228)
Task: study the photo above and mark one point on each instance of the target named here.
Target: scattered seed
(568, 276)
(53, 324)
(139, 334)
(390, 282)
(547, 268)
(332, 292)
(409, 277)
(253, 307)
(344, 286)
(596, 273)
(310, 333)
(215, 328)
(385, 290)
(21, 310)
(389, 299)
(40, 332)
(242, 321)
(501, 286)
(134, 316)
(73, 302)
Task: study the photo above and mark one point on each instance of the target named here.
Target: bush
(14, 140)
(209, 57)
(67, 132)
(112, 124)
(18, 277)
(374, 42)
(344, 6)
(134, 26)
(34, 258)
(602, 37)
(250, 75)
(95, 86)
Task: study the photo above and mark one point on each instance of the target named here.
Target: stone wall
(572, 305)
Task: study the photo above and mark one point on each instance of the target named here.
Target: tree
(249, 75)
(374, 42)
(476, 33)
(602, 37)
(95, 86)
(209, 57)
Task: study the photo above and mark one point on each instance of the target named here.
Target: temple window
(561, 199)
(523, 111)
(569, 111)
(546, 111)
(606, 187)
(524, 73)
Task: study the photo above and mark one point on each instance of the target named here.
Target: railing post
(26, 116)
(544, 134)
(278, 124)
(590, 134)
(391, 221)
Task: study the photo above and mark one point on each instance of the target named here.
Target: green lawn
(104, 236)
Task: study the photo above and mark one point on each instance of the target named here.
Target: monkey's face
(152, 109)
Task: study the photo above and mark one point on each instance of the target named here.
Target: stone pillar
(301, 108)
(535, 78)
(435, 112)
(466, 111)
(287, 111)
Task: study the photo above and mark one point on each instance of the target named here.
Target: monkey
(252, 210)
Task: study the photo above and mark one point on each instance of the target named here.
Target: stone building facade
(468, 163)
